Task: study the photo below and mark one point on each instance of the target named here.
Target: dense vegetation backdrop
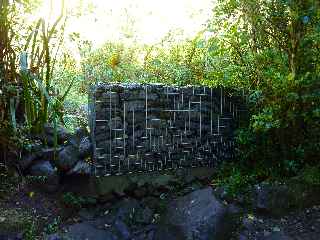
(269, 50)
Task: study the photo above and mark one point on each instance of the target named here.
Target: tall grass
(8, 78)
(42, 100)
(28, 97)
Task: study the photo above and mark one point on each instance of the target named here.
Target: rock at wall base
(81, 168)
(67, 158)
(199, 216)
(47, 176)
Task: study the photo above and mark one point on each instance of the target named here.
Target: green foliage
(235, 179)
(267, 50)
(28, 96)
(311, 175)
(74, 104)
(270, 49)
(30, 232)
(8, 76)
(75, 201)
(167, 62)
(71, 200)
(113, 62)
(36, 179)
(18, 221)
(9, 181)
(53, 227)
(235, 183)
(42, 100)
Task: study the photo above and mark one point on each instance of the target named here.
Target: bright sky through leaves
(146, 21)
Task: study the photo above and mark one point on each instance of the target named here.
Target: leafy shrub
(311, 175)
(281, 79)
(76, 202)
(30, 232)
(53, 227)
(235, 178)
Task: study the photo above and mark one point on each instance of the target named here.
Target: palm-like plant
(28, 97)
(42, 101)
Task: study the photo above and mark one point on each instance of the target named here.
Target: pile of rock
(197, 215)
(48, 161)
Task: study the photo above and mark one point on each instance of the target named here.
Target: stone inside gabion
(141, 128)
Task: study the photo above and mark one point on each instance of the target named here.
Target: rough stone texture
(81, 168)
(81, 132)
(199, 215)
(45, 169)
(277, 236)
(49, 154)
(105, 186)
(54, 237)
(30, 156)
(280, 199)
(67, 158)
(168, 232)
(127, 219)
(139, 128)
(297, 225)
(62, 134)
(42, 154)
(156, 180)
(28, 159)
(85, 148)
(42, 169)
(130, 210)
(138, 185)
(84, 231)
(81, 185)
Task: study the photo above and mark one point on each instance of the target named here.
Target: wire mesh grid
(143, 128)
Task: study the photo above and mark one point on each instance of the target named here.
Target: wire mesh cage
(142, 128)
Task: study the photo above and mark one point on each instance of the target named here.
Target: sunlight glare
(143, 21)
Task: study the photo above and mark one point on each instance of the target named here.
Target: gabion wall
(140, 128)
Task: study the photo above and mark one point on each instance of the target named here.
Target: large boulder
(27, 160)
(42, 154)
(29, 155)
(50, 154)
(85, 148)
(84, 231)
(81, 132)
(169, 232)
(156, 180)
(49, 131)
(277, 236)
(267, 198)
(81, 168)
(42, 169)
(81, 185)
(125, 216)
(68, 157)
(278, 199)
(47, 174)
(130, 211)
(198, 215)
(107, 185)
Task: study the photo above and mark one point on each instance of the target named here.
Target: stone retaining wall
(141, 128)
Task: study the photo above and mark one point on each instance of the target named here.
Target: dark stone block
(168, 134)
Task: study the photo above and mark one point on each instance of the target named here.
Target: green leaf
(13, 114)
